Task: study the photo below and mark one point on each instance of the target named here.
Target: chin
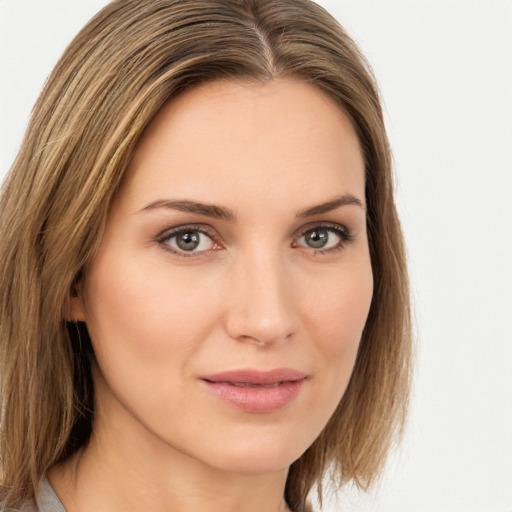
(256, 461)
(266, 451)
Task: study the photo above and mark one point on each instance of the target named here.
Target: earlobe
(75, 311)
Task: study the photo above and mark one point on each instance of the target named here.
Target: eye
(324, 238)
(188, 241)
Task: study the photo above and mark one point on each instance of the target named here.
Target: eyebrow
(219, 212)
(187, 206)
(333, 204)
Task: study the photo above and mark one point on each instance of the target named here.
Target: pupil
(317, 238)
(187, 241)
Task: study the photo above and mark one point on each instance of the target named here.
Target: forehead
(248, 137)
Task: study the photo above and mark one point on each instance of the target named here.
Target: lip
(256, 391)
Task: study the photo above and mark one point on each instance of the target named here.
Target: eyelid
(346, 236)
(205, 229)
(334, 226)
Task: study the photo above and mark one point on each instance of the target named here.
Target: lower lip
(257, 399)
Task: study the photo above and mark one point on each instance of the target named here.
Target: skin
(253, 294)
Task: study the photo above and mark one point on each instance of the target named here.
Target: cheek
(337, 313)
(339, 306)
(135, 309)
(143, 320)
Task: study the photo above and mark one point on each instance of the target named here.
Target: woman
(204, 300)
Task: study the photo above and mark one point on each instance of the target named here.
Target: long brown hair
(114, 77)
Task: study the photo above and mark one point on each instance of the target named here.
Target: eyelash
(166, 236)
(344, 235)
(163, 239)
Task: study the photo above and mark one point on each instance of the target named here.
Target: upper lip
(254, 376)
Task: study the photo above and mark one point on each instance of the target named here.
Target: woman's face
(231, 287)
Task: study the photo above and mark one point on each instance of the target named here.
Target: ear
(75, 311)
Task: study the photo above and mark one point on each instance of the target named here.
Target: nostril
(254, 340)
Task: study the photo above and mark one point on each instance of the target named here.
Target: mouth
(257, 391)
(249, 384)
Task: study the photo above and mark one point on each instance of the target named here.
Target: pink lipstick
(257, 391)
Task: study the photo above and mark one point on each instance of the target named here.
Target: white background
(445, 70)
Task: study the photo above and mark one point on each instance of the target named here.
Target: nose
(261, 307)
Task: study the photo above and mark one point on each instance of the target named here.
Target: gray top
(47, 500)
